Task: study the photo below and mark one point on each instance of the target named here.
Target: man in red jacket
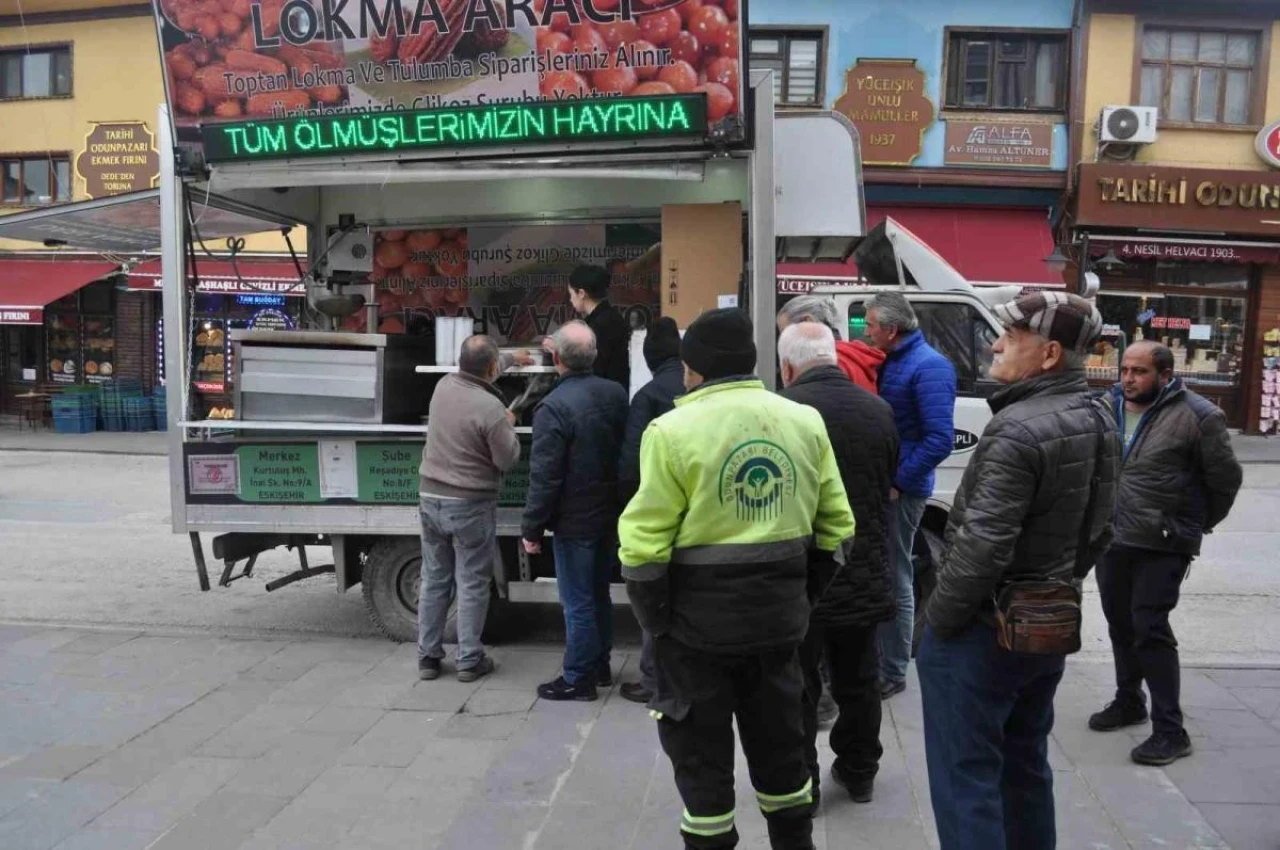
(855, 358)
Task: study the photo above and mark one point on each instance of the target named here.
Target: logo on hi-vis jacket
(758, 477)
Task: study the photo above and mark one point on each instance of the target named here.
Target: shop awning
(27, 286)
(245, 277)
(130, 223)
(993, 247)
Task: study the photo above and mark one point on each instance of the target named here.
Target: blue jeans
(584, 567)
(458, 549)
(987, 718)
(895, 635)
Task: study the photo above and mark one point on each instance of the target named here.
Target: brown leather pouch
(1038, 617)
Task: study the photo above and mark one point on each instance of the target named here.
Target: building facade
(80, 88)
(962, 111)
(1176, 195)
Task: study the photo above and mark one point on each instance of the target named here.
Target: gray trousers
(458, 540)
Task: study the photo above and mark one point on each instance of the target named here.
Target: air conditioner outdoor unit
(1129, 125)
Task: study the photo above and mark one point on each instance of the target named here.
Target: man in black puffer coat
(858, 598)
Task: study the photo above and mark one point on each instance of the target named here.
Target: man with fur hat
(738, 525)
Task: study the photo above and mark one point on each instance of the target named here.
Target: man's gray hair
(818, 308)
(807, 344)
(893, 310)
(477, 356)
(575, 342)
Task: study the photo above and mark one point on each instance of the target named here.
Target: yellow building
(1176, 191)
(80, 87)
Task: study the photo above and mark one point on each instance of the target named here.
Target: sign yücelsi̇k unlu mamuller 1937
(459, 127)
(228, 60)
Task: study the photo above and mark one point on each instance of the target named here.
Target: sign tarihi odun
(118, 158)
(885, 100)
(1162, 198)
(667, 116)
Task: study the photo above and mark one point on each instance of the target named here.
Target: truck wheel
(392, 573)
(928, 549)
(392, 580)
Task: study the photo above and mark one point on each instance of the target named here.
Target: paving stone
(222, 822)
(55, 762)
(409, 819)
(492, 824)
(1264, 702)
(41, 642)
(293, 763)
(1245, 678)
(1083, 820)
(172, 795)
(1245, 827)
(1232, 728)
(447, 695)
(448, 761)
(1148, 808)
(15, 793)
(319, 684)
(523, 669)
(617, 760)
(334, 718)
(258, 732)
(1236, 775)
(56, 815)
(608, 825)
(491, 702)
(466, 726)
(1199, 690)
(395, 740)
(537, 761)
(93, 643)
(107, 839)
(225, 705)
(375, 692)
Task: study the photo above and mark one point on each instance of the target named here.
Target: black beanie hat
(719, 344)
(662, 342)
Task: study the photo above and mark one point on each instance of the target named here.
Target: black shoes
(604, 677)
(860, 790)
(1117, 715)
(891, 689)
(635, 692)
(1161, 749)
(562, 691)
(428, 668)
(483, 668)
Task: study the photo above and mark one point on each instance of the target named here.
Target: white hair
(807, 344)
(816, 308)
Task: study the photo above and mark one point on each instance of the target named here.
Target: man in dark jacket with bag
(843, 625)
(662, 356)
(573, 479)
(1178, 481)
(1031, 515)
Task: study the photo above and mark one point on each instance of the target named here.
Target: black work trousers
(764, 693)
(1139, 588)
(853, 663)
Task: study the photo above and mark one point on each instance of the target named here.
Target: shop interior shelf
(514, 370)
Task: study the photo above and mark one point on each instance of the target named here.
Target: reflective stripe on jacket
(737, 485)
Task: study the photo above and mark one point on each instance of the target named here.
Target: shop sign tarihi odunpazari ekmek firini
(1245, 203)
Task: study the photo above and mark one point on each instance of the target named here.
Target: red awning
(26, 286)
(987, 246)
(256, 277)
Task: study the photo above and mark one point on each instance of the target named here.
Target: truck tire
(392, 576)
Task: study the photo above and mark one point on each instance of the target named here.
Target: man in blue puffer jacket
(920, 386)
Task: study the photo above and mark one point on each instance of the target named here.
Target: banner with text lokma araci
(232, 60)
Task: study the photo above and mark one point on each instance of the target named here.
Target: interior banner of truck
(229, 60)
(513, 279)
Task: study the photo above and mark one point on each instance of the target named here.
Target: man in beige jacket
(471, 442)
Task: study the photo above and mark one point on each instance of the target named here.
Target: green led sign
(462, 127)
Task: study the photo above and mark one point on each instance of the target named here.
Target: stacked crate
(75, 413)
(112, 397)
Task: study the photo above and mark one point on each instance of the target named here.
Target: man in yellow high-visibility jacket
(739, 523)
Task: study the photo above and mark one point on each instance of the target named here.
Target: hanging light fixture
(1057, 261)
(1109, 262)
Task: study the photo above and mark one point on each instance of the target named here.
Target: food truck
(451, 163)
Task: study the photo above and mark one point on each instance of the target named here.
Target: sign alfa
(526, 123)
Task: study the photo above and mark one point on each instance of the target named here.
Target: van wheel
(391, 584)
(928, 552)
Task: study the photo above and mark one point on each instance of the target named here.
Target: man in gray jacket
(1034, 503)
(1179, 480)
(471, 442)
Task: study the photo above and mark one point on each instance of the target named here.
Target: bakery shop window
(1200, 311)
(80, 337)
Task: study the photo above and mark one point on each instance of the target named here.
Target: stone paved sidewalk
(125, 741)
